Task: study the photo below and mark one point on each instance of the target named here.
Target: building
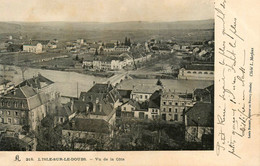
(101, 65)
(62, 114)
(5, 86)
(42, 85)
(109, 47)
(23, 106)
(87, 64)
(117, 65)
(133, 109)
(52, 45)
(122, 48)
(197, 72)
(124, 95)
(100, 102)
(86, 134)
(44, 43)
(205, 95)
(142, 93)
(173, 104)
(154, 105)
(35, 48)
(199, 122)
(71, 47)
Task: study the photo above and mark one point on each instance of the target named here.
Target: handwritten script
(235, 66)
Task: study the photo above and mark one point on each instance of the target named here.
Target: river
(65, 82)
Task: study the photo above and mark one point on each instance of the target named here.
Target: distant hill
(136, 30)
(6, 27)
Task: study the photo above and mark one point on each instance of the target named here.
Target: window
(124, 108)
(176, 103)
(152, 110)
(176, 117)
(200, 72)
(16, 113)
(194, 72)
(189, 72)
(132, 108)
(211, 73)
(164, 109)
(2, 120)
(61, 120)
(170, 109)
(2, 103)
(69, 134)
(9, 120)
(8, 113)
(141, 96)
(170, 103)
(205, 72)
(164, 103)
(176, 110)
(15, 104)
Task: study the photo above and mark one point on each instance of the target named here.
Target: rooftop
(88, 125)
(36, 82)
(201, 114)
(200, 67)
(154, 101)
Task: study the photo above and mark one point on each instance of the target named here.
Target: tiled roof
(101, 88)
(28, 94)
(63, 110)
(145, 89)
(125, 93)
(201, 114)
(155, 99)
(199, 67)
(36, 82)
(89, 125)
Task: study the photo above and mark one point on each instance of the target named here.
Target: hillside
(107, 31)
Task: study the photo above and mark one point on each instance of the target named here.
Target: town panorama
(112, 87)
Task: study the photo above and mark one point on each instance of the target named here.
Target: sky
(105, 10)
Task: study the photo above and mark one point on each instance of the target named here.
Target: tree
(96, 52)
(126, 41)
(129, 42)
(159, 82)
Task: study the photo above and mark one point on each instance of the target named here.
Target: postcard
(129, 82)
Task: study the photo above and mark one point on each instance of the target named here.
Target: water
(65, 82)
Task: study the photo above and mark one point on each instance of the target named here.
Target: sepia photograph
(96, 75)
